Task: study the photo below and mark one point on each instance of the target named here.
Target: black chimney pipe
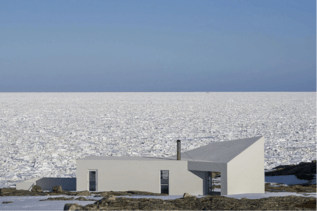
(178, 149)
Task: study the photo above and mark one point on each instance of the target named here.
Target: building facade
(240, 162)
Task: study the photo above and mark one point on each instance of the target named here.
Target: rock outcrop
(206, 203)
(299, 170)
(7, 190)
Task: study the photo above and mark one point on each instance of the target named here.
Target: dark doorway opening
(165, 181)
(92, 181)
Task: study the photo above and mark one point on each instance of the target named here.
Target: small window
(165, 181)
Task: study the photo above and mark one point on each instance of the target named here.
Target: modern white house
(240, 162)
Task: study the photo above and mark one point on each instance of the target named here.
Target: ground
(287, 188)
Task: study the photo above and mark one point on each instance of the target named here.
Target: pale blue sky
(142, 45)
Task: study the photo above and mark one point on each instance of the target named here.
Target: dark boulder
(73, 207)
(36, 189)
(57, 188)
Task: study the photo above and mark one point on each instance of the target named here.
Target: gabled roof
(219, 152)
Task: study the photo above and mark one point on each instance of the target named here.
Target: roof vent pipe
(178, 149)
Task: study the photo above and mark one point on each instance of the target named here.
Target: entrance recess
(92, 180)
(210, 183)
(165, 181)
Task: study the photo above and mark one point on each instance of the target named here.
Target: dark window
(164, 181)
(92, 180)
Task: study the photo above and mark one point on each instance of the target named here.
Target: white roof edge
(215, 152)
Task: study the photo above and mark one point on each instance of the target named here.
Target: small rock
(57, 188)
(57, 199)
(101, 206)
(36, 188)
(111, 198)
(84, 199)
(7, 202)
(101, 202)
(81, 199)
(186, 195)
(83, 193)
(103, 194)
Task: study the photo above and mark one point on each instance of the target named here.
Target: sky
(158, 46)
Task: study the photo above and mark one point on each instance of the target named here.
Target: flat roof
(128, 158)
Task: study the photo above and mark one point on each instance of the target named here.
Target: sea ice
(42, 134)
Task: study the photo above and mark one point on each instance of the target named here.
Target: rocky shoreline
(303, 171)
(205, 203)
(111, 202)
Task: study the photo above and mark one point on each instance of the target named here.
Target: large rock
(36, 189)
(57, 188)
(73, 207)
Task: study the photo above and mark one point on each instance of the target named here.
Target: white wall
(27, 184)
(124, 175)
(245, 173)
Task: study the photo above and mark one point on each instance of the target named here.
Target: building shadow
(215, 193)
(47, 183)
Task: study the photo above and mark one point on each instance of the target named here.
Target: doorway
(165, 181)
(92, 180)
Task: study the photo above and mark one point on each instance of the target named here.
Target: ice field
(42, 134)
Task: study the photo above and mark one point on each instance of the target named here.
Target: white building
(240, 162)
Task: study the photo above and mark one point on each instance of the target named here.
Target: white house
(240, 162)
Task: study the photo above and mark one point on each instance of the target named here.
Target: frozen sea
(42, 134)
